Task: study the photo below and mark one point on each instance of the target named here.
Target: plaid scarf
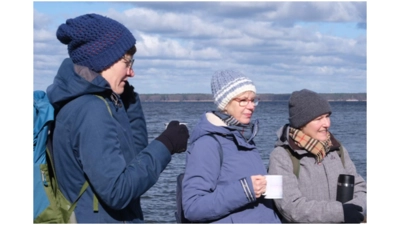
(315, 147)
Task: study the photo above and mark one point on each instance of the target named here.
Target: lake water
(348, 124)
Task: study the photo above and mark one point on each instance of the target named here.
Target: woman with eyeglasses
(227, 187)
(100, 134)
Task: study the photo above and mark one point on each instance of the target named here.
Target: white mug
(274, 187)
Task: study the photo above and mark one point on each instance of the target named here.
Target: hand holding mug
(259, 184)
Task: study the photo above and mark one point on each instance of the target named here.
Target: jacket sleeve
(202, 199)
(360, 186)
(115, 181)
(137, 123)
(294, 207)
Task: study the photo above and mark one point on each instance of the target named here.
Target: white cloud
(281, 45)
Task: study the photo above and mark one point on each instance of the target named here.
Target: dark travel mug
(345, 188)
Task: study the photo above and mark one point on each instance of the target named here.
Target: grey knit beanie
(306, 105)
(227, 84)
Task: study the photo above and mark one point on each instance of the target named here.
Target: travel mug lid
(346, 179)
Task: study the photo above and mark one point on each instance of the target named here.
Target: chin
(119, 91)
(245, 121)
(324, 138)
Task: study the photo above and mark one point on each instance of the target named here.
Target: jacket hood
(283, 134)
(208, 124)
(73, 81)
(212, 124)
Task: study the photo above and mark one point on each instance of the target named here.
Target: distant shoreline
(334, 97)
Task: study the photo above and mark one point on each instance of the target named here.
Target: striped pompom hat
(227, 84)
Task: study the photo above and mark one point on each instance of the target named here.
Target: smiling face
(242, 106)
(118, 73)
(318, 128)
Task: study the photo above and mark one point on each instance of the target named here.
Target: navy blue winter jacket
(111, 152)
(223, 194)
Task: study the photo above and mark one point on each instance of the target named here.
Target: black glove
(129, 95)
(352, 213)
(175, 137)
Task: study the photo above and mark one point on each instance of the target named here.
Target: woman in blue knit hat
(310, 186)
(227, 187)
(100, 131)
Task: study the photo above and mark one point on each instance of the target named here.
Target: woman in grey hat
(310, 195)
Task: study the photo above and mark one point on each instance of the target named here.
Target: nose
(327, 122)
(251, 105)
(130, 72)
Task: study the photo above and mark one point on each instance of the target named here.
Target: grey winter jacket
(312, 197)
(223, 194)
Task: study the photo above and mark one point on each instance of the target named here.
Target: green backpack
(296, 160)
(49, 204)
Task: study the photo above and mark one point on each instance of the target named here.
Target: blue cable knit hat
(306, 105)
(95, 41)
(227, 84)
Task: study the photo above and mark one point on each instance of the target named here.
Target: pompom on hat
(306, 105)
(95, 41)
(227, 84)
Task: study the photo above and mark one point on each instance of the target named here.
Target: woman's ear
(226, 108)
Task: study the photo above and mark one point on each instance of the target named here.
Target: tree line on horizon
(263, 97)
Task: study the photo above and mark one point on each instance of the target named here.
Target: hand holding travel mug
(345, 188)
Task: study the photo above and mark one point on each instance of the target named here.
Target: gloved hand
(175, 137)
(129, 95)
(352, 213)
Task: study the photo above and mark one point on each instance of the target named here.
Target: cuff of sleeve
(247, 191)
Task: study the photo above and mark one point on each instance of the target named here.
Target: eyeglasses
(245, 102)
(128, 63)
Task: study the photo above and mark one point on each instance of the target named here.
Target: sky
(281, 46)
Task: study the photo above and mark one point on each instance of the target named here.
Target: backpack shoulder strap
(108, 107)
(341, 154)
(95, 199)
(295, 162)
